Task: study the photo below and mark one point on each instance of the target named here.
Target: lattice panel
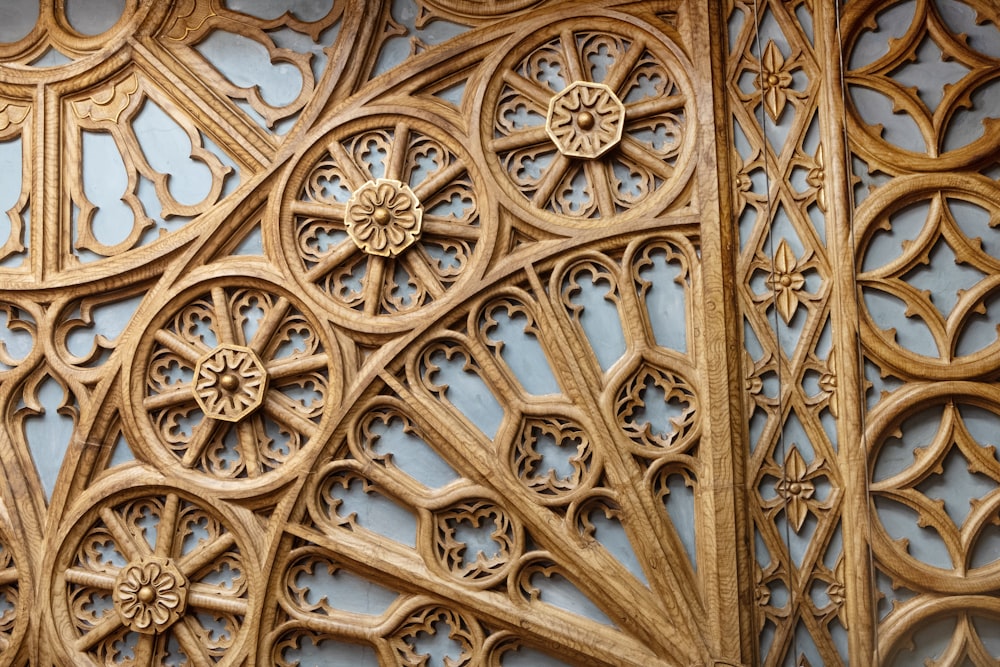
(365, 333)
(926, 266)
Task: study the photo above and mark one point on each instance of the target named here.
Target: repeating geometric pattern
(528, 332)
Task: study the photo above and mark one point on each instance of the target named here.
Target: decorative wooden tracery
(507, 333)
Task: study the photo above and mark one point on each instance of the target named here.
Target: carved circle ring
(151, 570)
(588, 120)
(381, 217)
(232, 380)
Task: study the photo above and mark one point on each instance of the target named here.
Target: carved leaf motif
(795, 488)
(785, 281)
(775, 80)
(108, 104)
(11, 114)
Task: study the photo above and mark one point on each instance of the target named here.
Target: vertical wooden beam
(729, 575)
(844, 313)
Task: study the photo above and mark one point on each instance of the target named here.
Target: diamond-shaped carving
(230, 382)
(585, 120)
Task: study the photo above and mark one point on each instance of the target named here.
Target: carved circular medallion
(150, 594)
(383, 217)
(148, 571)
(588, 120)
(585, 120)
(230, 382)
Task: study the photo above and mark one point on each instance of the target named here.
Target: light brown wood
(563, 336)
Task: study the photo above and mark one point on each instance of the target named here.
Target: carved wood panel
(441, 332)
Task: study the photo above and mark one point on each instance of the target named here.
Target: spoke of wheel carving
(532, 136)
(574, 67)
(265, 331)
(560, 165)
(398, 149)
(533, 91)
(193, 646)
(353, 174)
(180, 347)
(372, 287)
(641, 155)
(78, 575)
(276, 406)
(438, 180)
(109, 623)
(597, 174)
(421, 270)
(399, 568)
(144, 650)
(203, 596)
(446, 229)
(248, 447)
(8, 576)
(167, 527)
(130, 548)
(338, 256)
(223, 319)
(623, 66)
(199, 440)
(206, 552)
(653, 106)
(333, 211)
(177, 395)
(285, 367)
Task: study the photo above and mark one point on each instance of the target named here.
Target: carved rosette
(588, 120)
(585, 120)
(150, 570)
(150, 594)
(383, 217)
(231, 382)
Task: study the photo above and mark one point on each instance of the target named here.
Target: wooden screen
(511, 333)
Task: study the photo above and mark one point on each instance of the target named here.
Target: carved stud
(150, 594)
(230, 383)
(384, 217)
(585, 120)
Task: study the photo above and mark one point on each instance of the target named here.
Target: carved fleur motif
(383, 217)
(775, 80)
(837, 592)
(828, 381)
(150, 594)
(815, 177)
(786, 281)
(795, 488)
(585, 120)
(230, 382)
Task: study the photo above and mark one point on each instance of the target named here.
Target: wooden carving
(529, 332)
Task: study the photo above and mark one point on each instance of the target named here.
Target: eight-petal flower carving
(150, 594)
(383, 217)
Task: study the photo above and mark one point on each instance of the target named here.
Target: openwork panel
(370, 333)
(926, 264)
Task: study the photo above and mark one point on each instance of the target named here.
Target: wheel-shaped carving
(587, 120)
(153, 572)
(14, 598)
(232, 381)
(380, 217)
(924, 337)
(941, 138)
